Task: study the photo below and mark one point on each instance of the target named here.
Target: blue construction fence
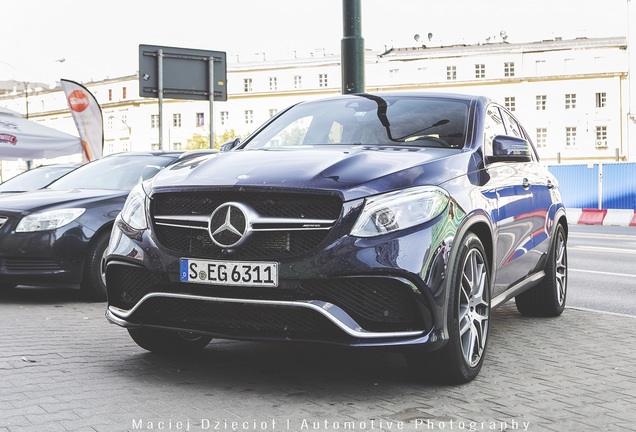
(597, 185)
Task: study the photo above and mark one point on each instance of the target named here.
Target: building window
(109, 123)
(510, 103)
(249, 117)
(177, 146)
(247, 85)
(451, 73)
(273, 83)
(601, 100)
(601, 133)
(155, 147)
(570, 101)
(393, 73)
(322, 80)
(570, 136)
(200, 119)
(176, 120)
(154, 121)
(225, 117)
(509, 69)
(272, 112)
(298, 81)
(542, 137)
(480, 70)
(110, 94)
(542, 101)
(123, 92)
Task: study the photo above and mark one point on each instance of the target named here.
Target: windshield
(34, 179)
(114, 172)
(369, 119)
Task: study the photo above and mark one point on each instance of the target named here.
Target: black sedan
(378, 220)
(57, 236)
(36, 178)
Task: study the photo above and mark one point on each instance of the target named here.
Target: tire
(93, 283)
(168, 342)
(548, 298)
(460, 359)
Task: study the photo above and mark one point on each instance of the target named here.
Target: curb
(609, 217)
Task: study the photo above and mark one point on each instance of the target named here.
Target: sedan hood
(48, 199)
(339, 168)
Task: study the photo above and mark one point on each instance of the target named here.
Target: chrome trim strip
(516, 289)
(297, 224)
(328, 310)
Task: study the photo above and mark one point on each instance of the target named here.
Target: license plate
(241, 273)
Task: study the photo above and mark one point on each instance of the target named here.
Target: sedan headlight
(134, 211)
(48, 220)
(394, 211)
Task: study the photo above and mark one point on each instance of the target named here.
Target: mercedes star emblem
(228, 225)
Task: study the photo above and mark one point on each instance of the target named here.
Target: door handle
(526, 183)
(550, 185)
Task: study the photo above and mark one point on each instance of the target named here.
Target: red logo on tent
(78, 101)
(8, 138)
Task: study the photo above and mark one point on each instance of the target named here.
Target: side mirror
(229, 145)
(510, 149)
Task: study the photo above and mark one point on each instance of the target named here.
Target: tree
(199, 141)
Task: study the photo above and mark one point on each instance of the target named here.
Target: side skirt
(517, 289)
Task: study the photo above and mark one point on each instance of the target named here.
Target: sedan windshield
(116, 173)
(368, 120)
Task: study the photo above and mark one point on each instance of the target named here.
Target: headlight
(134, 211)
(48, 220)
(399, 210)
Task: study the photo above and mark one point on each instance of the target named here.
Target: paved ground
(64, 368)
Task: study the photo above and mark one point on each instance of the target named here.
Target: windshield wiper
(417, 132)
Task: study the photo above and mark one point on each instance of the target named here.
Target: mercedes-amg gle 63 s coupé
(388, 220)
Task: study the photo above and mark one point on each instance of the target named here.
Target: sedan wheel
(94, 278)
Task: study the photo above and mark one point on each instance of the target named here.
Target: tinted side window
(512, 126)
(493, 126)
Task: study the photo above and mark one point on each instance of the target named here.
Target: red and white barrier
(614, 217)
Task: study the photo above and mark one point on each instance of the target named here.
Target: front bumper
(54, 257)
(358, 292)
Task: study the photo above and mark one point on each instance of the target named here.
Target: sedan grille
(284, 225)
(28, 265)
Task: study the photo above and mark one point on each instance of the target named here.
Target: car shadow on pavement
(41, 295)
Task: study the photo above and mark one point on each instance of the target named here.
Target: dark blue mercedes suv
(388, 219)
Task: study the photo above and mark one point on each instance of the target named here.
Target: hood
(335, 168)
(49, 199)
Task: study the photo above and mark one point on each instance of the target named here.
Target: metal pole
(160, 95)
(211, 97)
(352, 47)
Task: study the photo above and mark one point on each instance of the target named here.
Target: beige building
(573, 96)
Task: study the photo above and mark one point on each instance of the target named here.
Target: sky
(100, 39)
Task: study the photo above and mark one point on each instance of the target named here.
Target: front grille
(28, 265)
(236, 320)
(186, 233)
(376, 303)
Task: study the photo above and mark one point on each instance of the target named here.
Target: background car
(58, 235)
(36, 178)
(377, 220)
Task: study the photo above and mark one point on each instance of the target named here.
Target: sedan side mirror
(229, 145)
(510, 149)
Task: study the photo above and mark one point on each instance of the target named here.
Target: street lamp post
(26, 85)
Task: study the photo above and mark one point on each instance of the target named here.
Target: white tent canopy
(24, 139)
